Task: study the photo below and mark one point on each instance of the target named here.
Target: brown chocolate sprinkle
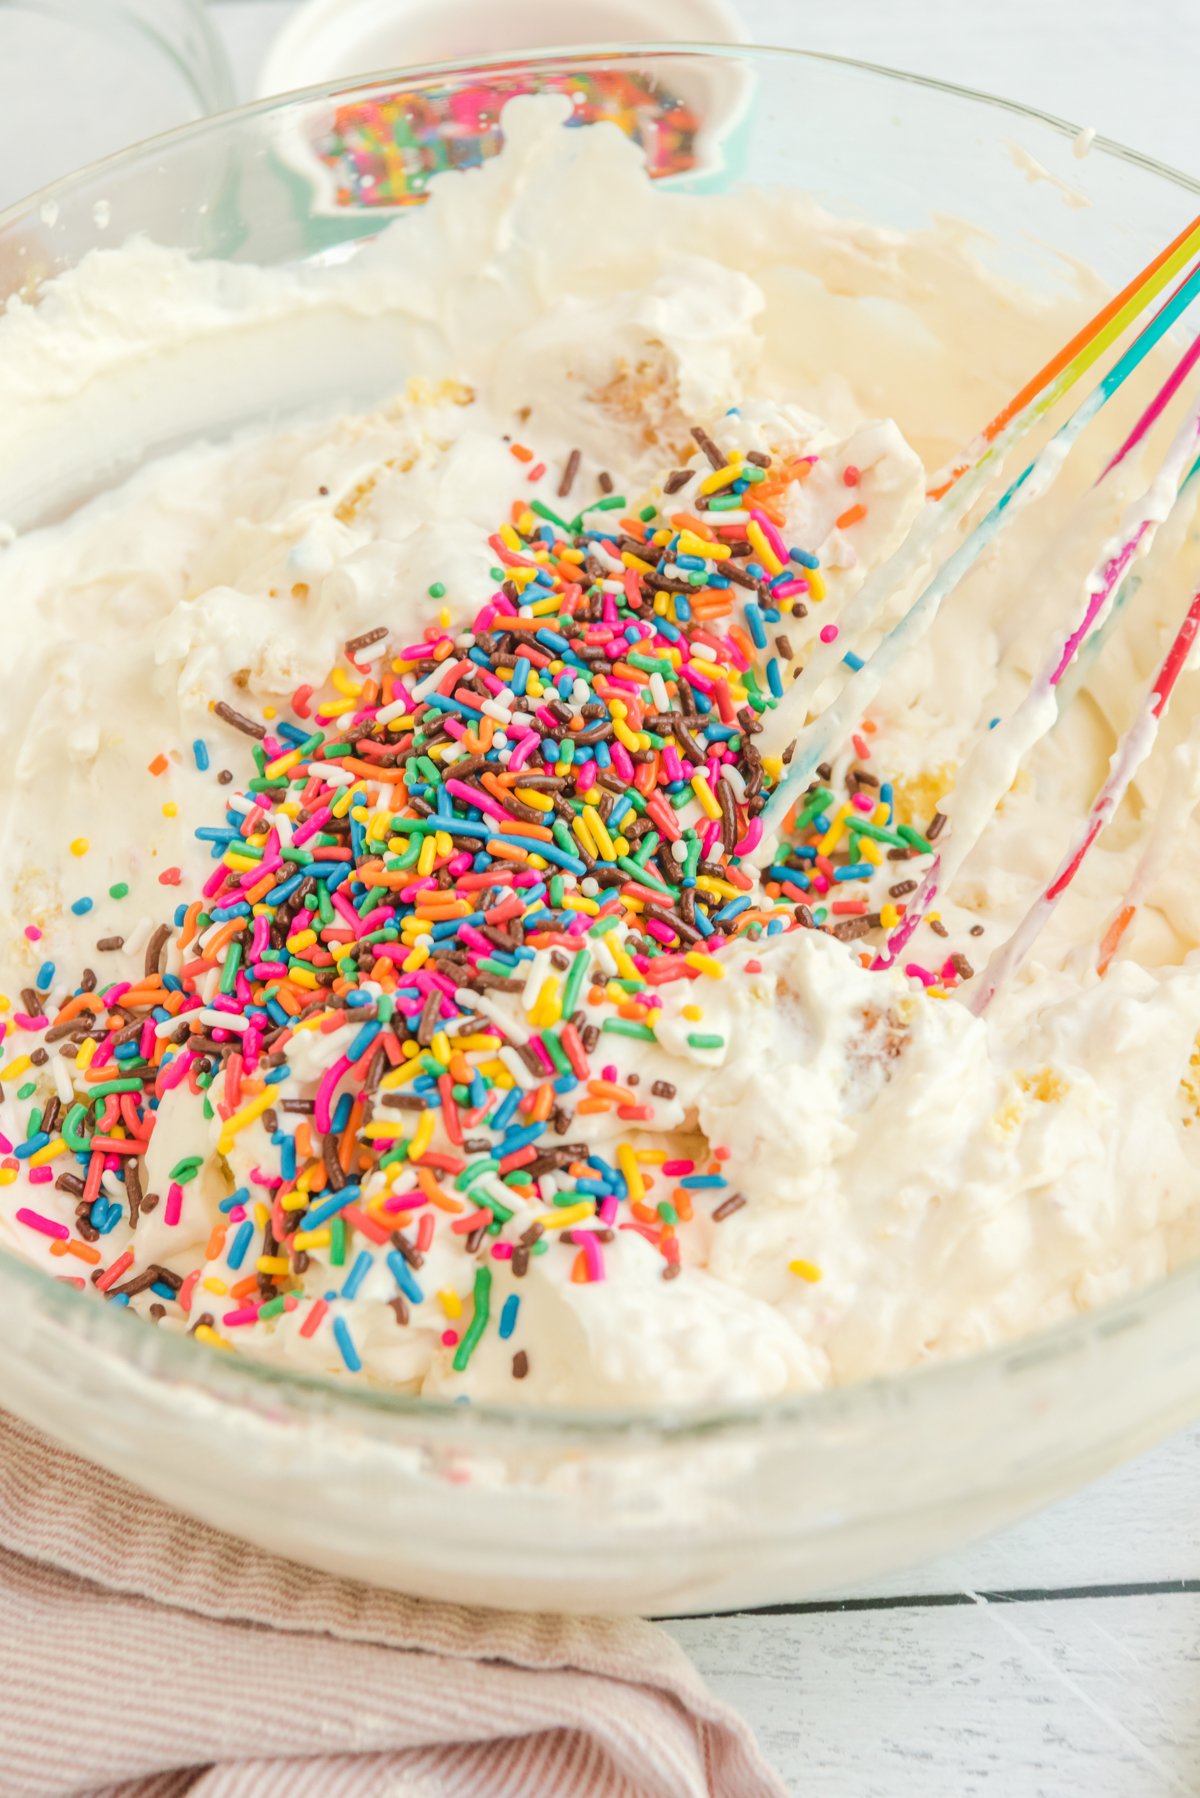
(728, 1206)
(937, 825)
(239, 720)
(961, 966)
(105, 943)
(901, 887)
(354, 644)
(938, 928)
(710, 449)
(605, 482)
(568, 474)
(977, 930)
(154, 949)
(678, 477)
(520, 1364)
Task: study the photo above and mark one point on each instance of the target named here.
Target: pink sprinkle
(502, 1251)
(184, 1295)
(40, 1176)
(917, 972)
(246, 1314)
(33, 933)
(24, 1022)
(5, 1145)
(45, 1225)
(174, 1204)
(449, 1338)
(863, 802)
(592, 1253)
(829, 633)
(677, 1169)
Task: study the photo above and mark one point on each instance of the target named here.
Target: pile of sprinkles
(384, 151)
(480, 858)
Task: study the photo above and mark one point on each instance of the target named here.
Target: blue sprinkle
(803, 558)
(508, 1317)
(357, 1274)
(321, 1214)
(82, 906)
(702, 1182)
(163, 1291)
(200, 751)
(45, 977)
(853, 662)
(404, 1276)
(853, 871)
(345, 1342)
(240, 1197)
(242, 1238)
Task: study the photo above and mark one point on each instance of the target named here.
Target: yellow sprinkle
(17, 1065)
(450, 1302)
(282, 763)
(704, 794)
(628, 1164)
(426, 857)
(416, 958)
(7, 1175)
(203, 1333)
(342, 681)
(546, 1009)
(541, 802)
(510, 539)
(600, 832)
(763, 550)
(889, 916)
(807, 1270)
(312, 1237)
(704, 964)
(302, 977)
(301, 940)
(694, 1012)
(721, 889)
(440, 1044)
(87, 1049)
(47, 1152)
(720, 477)
(80, 846)
(836, 831)
(691, 545)
(562, 1220)
(635, 562)
(270, 711)
(816, 584)
(246, 1115)
(272, 1264)
(5, 1002)
(422, 1135)
(211, 1283)
(629, 738)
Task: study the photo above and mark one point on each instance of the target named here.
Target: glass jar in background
(81, 78)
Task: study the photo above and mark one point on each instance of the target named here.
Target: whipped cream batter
(820, 1170)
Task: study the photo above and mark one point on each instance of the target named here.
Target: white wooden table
(1062, 1658)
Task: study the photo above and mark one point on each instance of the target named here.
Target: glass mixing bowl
(619, 1513)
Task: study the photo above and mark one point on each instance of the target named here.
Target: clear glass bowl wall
(592, 1513)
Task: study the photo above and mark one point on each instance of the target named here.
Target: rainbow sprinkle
(472, 863)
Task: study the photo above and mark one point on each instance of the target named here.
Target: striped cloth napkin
(143, 1655)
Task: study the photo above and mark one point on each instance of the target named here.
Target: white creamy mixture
(917, 1181)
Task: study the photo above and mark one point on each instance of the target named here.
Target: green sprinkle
(113, 1086)
(120, 891)
(27, 1091)
(914, 839)
(72, 1129)
(186, 1169)
(479, 1319)
(437, 590)
(337, 1242)
(698, 1039)
(574, 982)
(627, 1027)
(543, 511)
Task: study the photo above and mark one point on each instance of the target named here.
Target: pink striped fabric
(144, 1656)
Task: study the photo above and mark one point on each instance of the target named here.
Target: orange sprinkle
(159, 764)
(851, 515)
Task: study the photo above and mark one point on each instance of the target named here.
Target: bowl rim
(243, 1380)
